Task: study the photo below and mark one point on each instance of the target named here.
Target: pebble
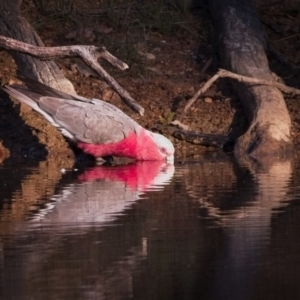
(208, 100)
(150, 56)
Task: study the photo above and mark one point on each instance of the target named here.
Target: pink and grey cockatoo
(97, 127)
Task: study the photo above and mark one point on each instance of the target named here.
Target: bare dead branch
(88, 53)
(196, 138)
(241, 78)
(101, 11)
(224, 73)
(206, 86)
(206, 66)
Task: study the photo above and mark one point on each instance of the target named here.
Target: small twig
(206, 66)
(283, 59)
(89, 54)
(206, 86)
(101, 11)
(224, 73)
(288, 37)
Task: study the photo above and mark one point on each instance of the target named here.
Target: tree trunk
(242, 51)
(13, 25)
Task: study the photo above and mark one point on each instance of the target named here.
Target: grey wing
(96, 122)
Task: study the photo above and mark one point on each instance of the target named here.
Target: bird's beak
(170, 159)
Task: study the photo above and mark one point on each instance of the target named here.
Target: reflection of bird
(103, 193)
(98, 128)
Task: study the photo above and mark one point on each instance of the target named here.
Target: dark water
(202, 229)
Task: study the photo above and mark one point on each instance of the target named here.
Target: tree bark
(242, 51)
(13, 25)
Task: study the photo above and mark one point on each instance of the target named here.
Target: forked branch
(224, 73)
(89, 54)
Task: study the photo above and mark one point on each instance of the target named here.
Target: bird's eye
(163, 150)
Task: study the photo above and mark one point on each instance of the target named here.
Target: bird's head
(165, 146)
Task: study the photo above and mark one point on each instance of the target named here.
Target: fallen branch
(89, 54)
(224, 73)
(196, 138)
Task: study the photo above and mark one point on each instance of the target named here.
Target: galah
(97, 127)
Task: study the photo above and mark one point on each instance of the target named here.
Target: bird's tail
(23, 95)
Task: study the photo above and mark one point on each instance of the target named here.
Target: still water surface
(202, 229)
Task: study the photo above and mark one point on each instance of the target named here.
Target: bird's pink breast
(140, 147)
(124, 148)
